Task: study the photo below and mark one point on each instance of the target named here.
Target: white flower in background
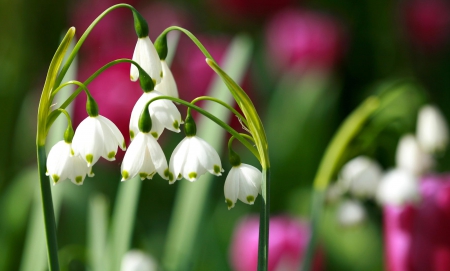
(168, 86)
(146, 56)
(361, 176)
(136, 260)
(192, 158)
(144, 157)
(398, 187)
(62, 164)
(164, 114)
(95, 137)
(411, 157)
(432, 129)
(243, 182)
(350, 213)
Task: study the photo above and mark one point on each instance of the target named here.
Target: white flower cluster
(363, 177)
(96, 137)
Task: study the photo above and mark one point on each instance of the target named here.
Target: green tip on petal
(176, 125)
(89, 158)
(250, 199)
(161, 74)
(79, 179)
(124, 145)
(143, 175)
(216, 169)
(72, 153)
(111, 155)
(131, 134)
(55, 178)
(168, 175)
(192, 175)
(229, 203)
(154, 134)
(125, 175)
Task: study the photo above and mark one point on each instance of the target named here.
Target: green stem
(54, 114)
(190, 35)
(213, 118)
(49, 215)
(83, 38)
(207, 98)
(334, 152)
(264, 217)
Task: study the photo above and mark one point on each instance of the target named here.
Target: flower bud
(350, 213)
(411, 157)
(361, 176)
(398, 187)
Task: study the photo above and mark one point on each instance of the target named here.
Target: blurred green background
(346, 50)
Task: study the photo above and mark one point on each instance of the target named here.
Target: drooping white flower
(164, 114)
(350, 213)
(398, 187)
(168, 86)
(146, 56)
(411, 157)
(361, 176)
(97, 136)
(136, 260)
(243, 182)
(144, 157)
(192, 158)
(62, 164)
(432, 129)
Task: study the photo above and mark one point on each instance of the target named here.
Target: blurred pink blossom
(248, 9)
(304, 40)
(428, 22)
(288, 238)
(418, 237)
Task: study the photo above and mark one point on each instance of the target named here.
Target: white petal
(207, 156)
(168, 86)
(148, 168)
(231, 187)
(149, 60)
(157, 156)
(411, 157)
(109, 143)
(57, 161)
(87, 141)
(432, 129)
(115, 132)
(178, 157)
(361, 176)
(136, 113)
(134, 72)
(250, 183)
(166, 112)
(350, 213)
(398, 187)
(134, 157)
(78, 170)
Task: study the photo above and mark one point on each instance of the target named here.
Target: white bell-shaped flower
(432, 129)
(136, 260)
(411, 157)
(243, 182)
(144, 157)
(168, 86)
(398, 187)
(97, 136)
(146, 56)
(361, 176)
(192, 158)
(164, 114)
(350, 213)
(62, 164)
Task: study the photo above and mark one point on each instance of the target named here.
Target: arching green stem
(213, 118)
(54, 114)
(72, 82)
(83, 38)
(190, 35)
(68, 134)
(208, 98)
(348, 130)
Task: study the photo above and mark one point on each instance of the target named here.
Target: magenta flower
(304, 40)
(428, 23)
(418, 237)
(288, 238)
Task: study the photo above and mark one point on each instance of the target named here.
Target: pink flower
(428, 23)
(288, 238)
(418, 237)
(303, 40)
(248, 10)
